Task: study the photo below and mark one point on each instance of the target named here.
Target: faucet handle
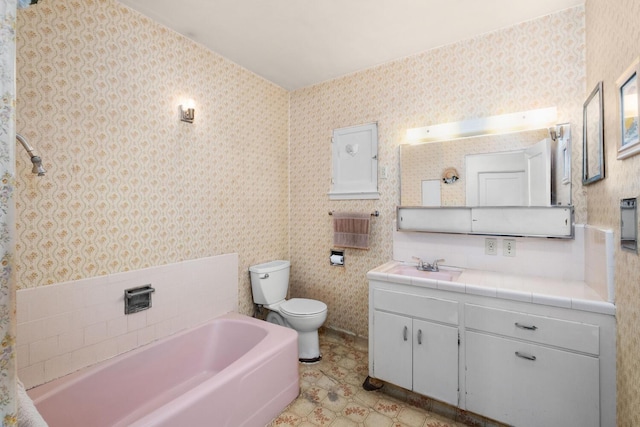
(435, 264)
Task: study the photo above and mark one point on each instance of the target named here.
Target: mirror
(494, 170)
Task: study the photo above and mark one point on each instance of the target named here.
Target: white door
(392, 348)
(502, 189)
(435, 361)
(538, 159)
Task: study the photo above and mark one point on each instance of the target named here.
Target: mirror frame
(593, 136)
(629, 144)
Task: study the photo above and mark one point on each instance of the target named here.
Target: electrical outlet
(384, 172)
(491, 246)
(509, 247)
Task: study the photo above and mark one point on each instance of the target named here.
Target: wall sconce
(187, 111)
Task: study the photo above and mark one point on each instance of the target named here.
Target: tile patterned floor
(332, 394)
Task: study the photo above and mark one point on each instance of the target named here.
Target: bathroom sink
(445, 273)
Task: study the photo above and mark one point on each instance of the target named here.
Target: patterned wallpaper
(535, 64)
(613, 42)
(128, 184)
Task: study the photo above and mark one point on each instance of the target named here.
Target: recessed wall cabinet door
(355, 163)
(410, 350)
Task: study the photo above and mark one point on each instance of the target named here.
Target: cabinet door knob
(404, 333)
(525, 356)
(527, 327)
(419, 336)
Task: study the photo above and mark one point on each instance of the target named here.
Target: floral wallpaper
(7, 169)
(129, 185)
(536, 64)
(613, 42)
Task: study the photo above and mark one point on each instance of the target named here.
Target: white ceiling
(298, 43)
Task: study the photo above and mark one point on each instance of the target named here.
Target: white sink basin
(445, 273)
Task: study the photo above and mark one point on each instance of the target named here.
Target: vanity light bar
(492, 125)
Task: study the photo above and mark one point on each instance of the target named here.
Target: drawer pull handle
(419, 336)
(527, 327)
(404, 333)
(525, 356)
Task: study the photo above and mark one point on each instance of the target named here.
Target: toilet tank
(270, 281)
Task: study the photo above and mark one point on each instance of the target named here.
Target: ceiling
(298, 43)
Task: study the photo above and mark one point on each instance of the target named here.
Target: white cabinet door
(525, 384)
(392, 353)
(435, 361)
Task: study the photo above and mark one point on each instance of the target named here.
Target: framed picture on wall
(593, 137)
(629, 103)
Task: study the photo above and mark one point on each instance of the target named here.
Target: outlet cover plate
(490, 246)
(509, 247)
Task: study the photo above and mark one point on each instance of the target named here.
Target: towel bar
(376, 213)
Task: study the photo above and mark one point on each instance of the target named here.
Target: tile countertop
(571, 294)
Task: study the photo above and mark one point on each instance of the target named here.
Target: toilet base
(308, 347)
(308, 342)
(311, 361)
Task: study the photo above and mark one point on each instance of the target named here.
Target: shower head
(37, 169)
(37, 166)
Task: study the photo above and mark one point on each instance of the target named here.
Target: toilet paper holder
(336, 258)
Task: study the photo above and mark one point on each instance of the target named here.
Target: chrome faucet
(425, 266)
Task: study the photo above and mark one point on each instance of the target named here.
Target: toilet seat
(301, 307)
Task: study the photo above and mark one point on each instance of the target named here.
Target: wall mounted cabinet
(355, 163)
(534, 221)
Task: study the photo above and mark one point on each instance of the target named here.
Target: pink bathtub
(233, 371)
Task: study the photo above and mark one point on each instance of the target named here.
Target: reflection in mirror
(629, 224)
(551, 159)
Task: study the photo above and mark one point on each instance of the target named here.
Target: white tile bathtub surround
(67, 326)
(554, 258)
(598, 257)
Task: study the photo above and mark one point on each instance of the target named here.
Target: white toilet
(269, 283)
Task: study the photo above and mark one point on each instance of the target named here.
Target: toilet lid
(302, 306)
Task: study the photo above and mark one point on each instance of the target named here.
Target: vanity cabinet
(418, 349)
(517, 362)
(538, 371)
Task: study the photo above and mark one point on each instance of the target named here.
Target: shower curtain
(7, 173)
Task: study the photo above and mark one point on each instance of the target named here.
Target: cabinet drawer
(539, 329)
(528, 385)
(420, 306)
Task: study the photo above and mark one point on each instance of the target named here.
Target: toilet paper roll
(337, 259)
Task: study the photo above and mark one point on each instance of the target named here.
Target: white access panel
(355, 163)
(431, 195)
